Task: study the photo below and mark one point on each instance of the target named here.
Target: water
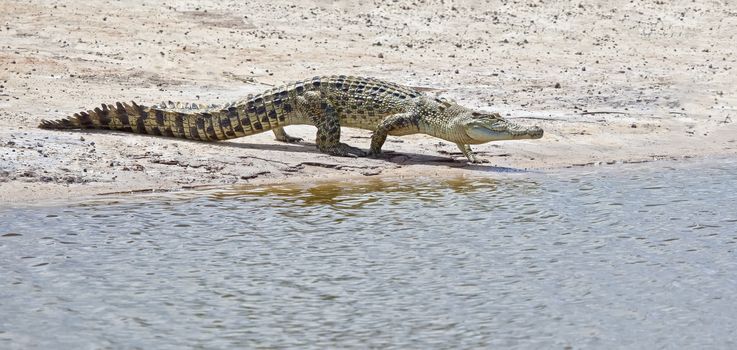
(638, 256)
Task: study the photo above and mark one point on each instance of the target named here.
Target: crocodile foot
(375, 154)
(289, 139)
(343, 150)
(477, 160)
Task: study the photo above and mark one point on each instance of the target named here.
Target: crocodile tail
(190, 123)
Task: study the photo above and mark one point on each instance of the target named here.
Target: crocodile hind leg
(396, 125)
(328, 135)
(326, 120)
(281, 135)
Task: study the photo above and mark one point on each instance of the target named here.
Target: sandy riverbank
(608, 83)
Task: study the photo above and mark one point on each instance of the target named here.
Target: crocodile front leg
(395, 125)
(326, 120)
(466, 149)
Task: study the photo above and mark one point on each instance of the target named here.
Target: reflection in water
(637, 256)
(338, 193)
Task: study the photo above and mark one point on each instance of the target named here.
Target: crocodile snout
(535, 132)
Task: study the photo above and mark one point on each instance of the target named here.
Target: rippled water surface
(632, 256)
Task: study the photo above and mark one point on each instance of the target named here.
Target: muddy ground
(609, 82)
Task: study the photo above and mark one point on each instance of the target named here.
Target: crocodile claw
(290, 139)
(477, 160)
(344, 150)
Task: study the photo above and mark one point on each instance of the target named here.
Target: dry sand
(608, 81)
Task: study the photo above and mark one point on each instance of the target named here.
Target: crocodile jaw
(502, 131)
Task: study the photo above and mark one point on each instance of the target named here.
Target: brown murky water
(637, 256)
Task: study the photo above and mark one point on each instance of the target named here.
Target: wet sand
(608, 83)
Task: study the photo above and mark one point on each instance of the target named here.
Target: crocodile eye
(476, 114)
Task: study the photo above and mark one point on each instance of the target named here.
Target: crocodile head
(482, 128)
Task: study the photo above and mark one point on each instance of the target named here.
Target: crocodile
(326, 102)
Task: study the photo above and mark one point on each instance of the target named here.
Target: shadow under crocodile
(398, 158)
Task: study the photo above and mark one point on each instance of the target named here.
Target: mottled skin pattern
(328, 103)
